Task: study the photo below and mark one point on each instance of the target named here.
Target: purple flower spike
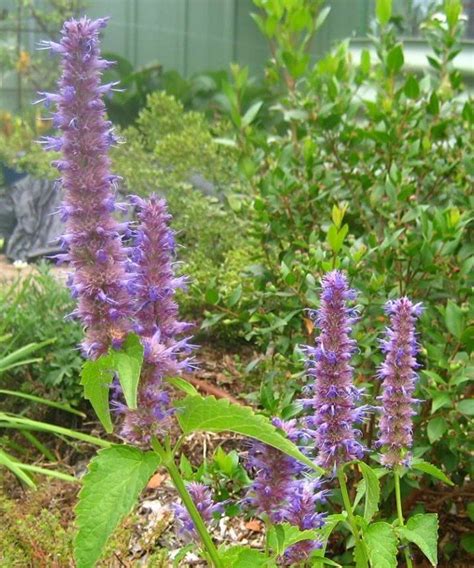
(202, 497)
(398, 373)
(333, 393)
(153, 286)
(275, 473)
(93, 242)
(301, 512)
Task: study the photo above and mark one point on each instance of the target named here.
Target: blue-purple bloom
(153, 286)
(398, 373)
(334, 397)
(274, 474)
(301, 512)
(92, 241)
(208, 509)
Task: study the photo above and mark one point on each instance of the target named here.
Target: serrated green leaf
(282, 536)
(96, 378)
(212, 415)
(430, 469)
(243, 557)
(115, 478)
(381, 543)
(423, 531)
(372, 491)
(436, 428)
(383, 11)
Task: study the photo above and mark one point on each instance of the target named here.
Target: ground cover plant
(124, 283)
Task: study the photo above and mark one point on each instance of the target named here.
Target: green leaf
(115, 478)
(372, 491)
(454, 319)
(96, 378)
(198, 413)
(243, 557)
(10, 463)
(251, 113)
(212, 296)
(423, 531)
(453, 10)
(381, 542)
(430, 469)
(395, 58)
(466, 406)
(182, 385)
(436, 428)
(282, 536)
(383, 11)
(440, 400)
(467, 542)
(412, 87)
(128, 364)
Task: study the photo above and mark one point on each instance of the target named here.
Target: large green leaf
(110, 489)
(423, 531)
(212, 415)
(381, 542)
(372, 491)
(430, 469)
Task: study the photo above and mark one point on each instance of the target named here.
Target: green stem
(350, 516)
(168, 462)
(401, 520)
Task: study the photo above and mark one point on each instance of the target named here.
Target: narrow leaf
(96, 378)
(10, 463)
(182, 385)
(198, 413)
(110, 489)
(372, 491)
(128, 363)
(383, 11)
(423, 531)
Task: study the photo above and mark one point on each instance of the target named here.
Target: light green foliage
(110, 489)
(34, 310)
(212, 415)
(381, 542)
(281, 537)
(372, 491)
(423, 531)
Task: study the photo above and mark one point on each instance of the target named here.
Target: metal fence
(187, 35)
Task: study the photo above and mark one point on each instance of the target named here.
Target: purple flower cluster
(118, 289)
(334, 396)
(398, 373)
(301, 512)
(208, 509)
(92, 240)
(274, 474)
(153, 287)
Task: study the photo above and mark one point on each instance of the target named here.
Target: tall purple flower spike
(92, 242)
(153, 287)
(301, 512)
(334, 397)
(202, 497)
(275, 474)
(398, 373)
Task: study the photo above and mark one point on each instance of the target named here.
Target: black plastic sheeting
(28, 220)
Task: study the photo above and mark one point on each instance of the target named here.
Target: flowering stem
(400, 515)
(350, 517)
(168, 461)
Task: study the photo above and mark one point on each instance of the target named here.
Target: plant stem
(401, 520)
(350, 516)
(168, 462)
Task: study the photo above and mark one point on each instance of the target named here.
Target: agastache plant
(92, 241)
(334, 396)
(398, 374)
(122, 290)
(153, 286)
